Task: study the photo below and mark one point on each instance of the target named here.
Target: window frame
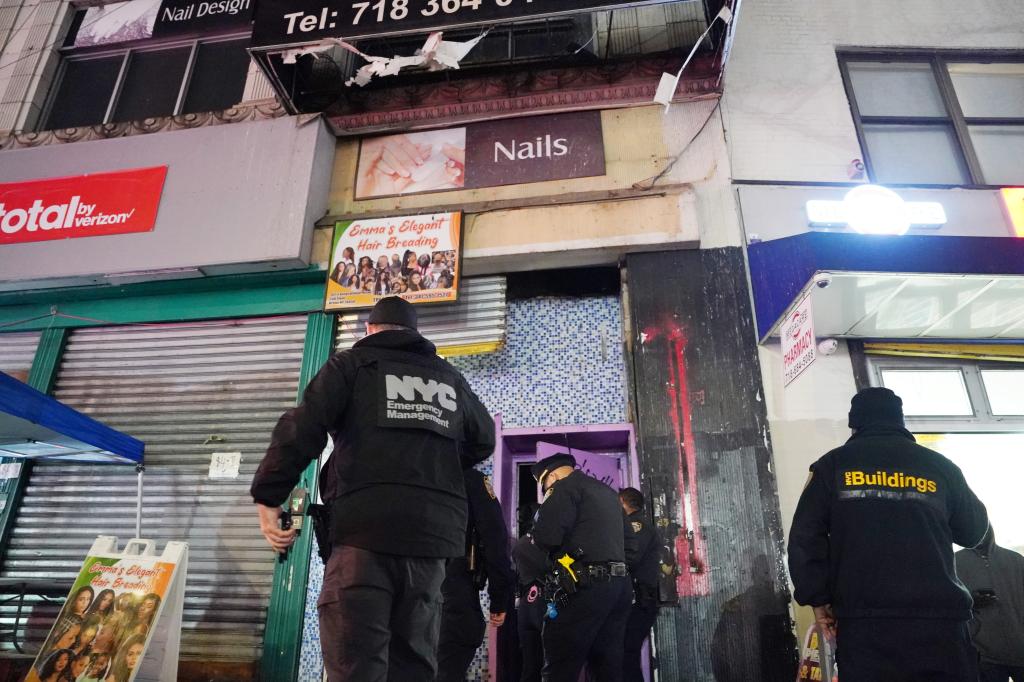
(938, 60)
(125, 51)
(982, 421)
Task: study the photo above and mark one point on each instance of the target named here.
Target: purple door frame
(602, 449)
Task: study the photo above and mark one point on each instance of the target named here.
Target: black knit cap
(394, 310)
(876, 406)
(549, 464)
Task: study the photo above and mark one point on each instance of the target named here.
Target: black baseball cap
(394, 310)
(549, 464)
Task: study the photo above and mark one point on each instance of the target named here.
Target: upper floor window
(133, 84)
(137, 59)
(932, 119)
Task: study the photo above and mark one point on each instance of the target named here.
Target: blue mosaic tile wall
(562, 363)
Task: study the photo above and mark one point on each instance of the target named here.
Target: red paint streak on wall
(687, 583)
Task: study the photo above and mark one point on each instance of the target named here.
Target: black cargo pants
(589, 630)
(905, 650)
(379, 616)
(462, 623)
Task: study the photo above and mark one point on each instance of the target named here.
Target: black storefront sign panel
(144, 19)
(180, 17)
(292, 22)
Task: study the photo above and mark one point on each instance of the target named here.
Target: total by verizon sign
(81, 206)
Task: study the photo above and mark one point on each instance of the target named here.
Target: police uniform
(582, 517)
(462, 619)
(645, 596)
(872, 537)
(404, 424)
(532, 563)
(530, 622)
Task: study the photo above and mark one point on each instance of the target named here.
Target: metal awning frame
(35, 426)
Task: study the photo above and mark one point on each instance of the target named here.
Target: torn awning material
(34, 425)
(435, 55)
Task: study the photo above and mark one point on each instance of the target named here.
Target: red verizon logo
(82, 206)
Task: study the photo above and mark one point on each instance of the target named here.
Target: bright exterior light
(871, 209)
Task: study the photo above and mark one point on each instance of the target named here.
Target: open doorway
(605, 451)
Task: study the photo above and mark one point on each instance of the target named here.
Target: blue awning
(34, 425)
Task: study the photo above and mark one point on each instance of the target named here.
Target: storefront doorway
(605, 451)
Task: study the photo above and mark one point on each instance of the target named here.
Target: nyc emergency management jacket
(404, 424)
(874, 529)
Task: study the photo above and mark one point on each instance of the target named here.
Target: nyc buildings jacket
(874, 529)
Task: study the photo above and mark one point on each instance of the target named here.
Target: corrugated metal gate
(186, 390)
(17, 350)
(475, 324)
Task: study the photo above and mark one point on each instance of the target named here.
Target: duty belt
(606, 570)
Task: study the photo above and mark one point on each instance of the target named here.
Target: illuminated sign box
(871, 209)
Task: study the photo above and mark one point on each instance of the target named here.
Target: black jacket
(998, 624)
(874, 529)
(646, 568)
(583, 515)
(489, 536)
(404, 424)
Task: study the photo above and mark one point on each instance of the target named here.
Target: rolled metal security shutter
(474, 324)
(186, 390)
(17, 350)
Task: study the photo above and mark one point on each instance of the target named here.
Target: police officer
(581, 519)
(404, 424)
(486, 560)
(645, 585)
(532, 563)
(871, 549)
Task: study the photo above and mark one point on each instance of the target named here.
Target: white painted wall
(786, 112)
(693, 132)
(807, 419)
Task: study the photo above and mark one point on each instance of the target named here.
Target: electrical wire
(675, 159)
(51, 44)
(14, 31)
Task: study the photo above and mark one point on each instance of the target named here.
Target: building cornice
(602, 86)
(250, 111)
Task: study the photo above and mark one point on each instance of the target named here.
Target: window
(931, 119)
(138, 83)
(954, 395)
(930, 392)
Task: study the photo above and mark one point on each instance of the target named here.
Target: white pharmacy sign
(799, 348)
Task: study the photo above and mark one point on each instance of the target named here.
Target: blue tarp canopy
(34, 425)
